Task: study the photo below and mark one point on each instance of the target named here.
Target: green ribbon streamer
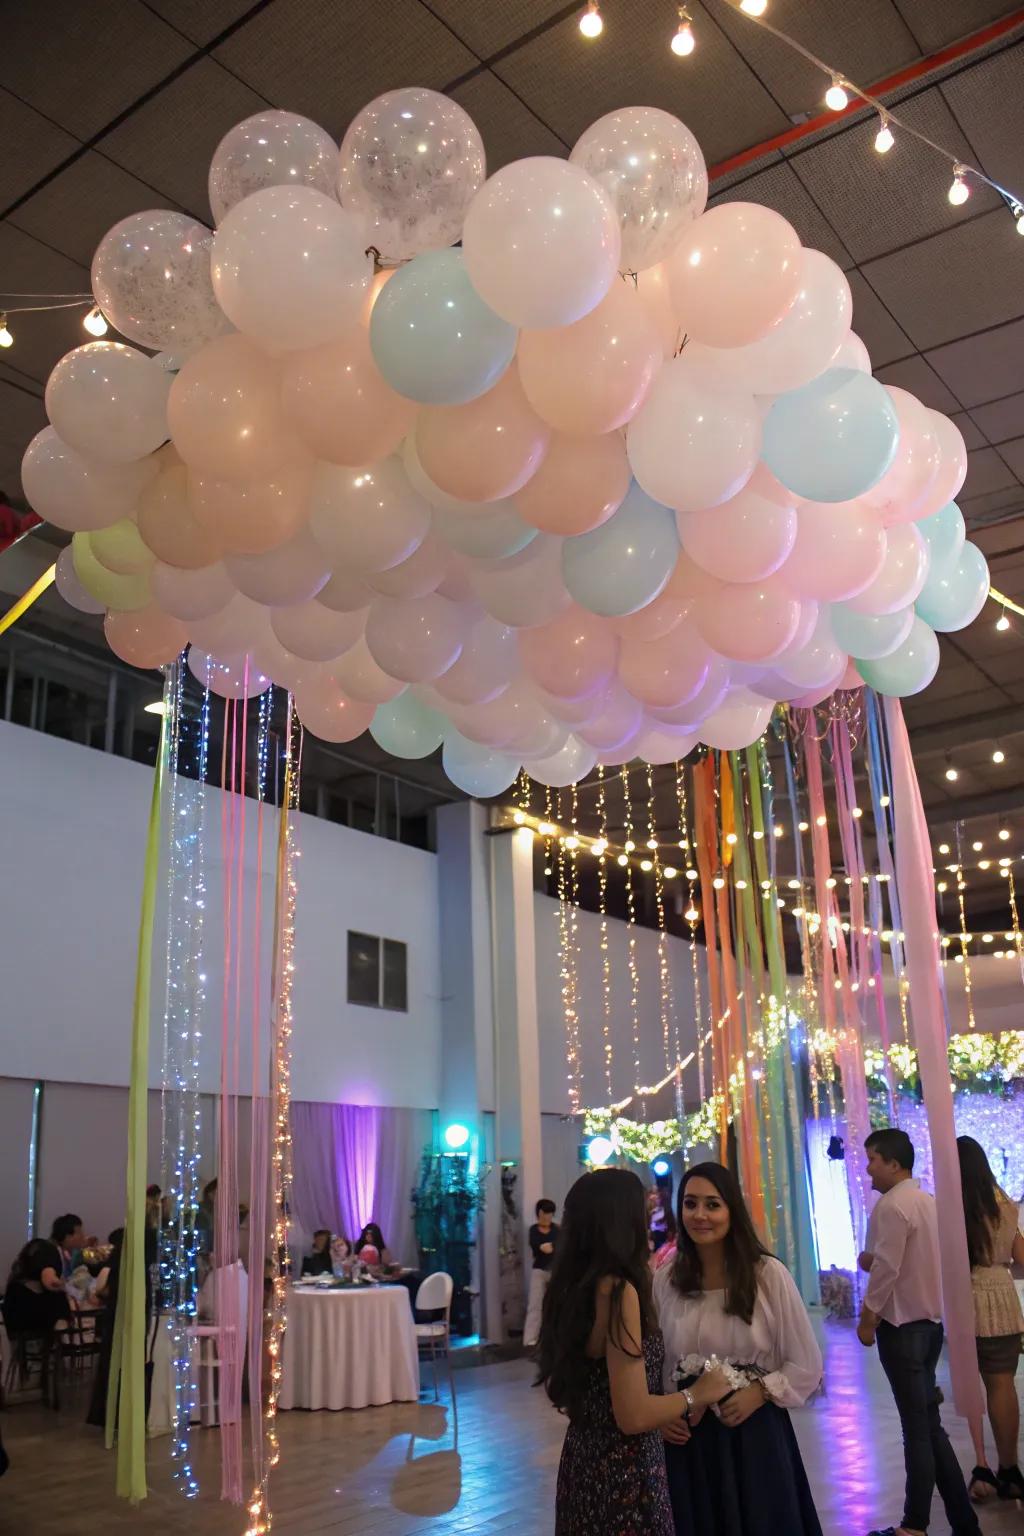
(126, 1393)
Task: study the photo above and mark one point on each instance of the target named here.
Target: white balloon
(71, 589)
(271, 149)
(109, 401)
(692, 446)
(566, 766)
(737, 723)
(194, 594)
(78, 493)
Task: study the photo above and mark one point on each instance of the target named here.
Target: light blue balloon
(953, 596)
(834, 439)
(871, 635)
(406, 727)
(622, 566)
(476, 770)
(433, 337)
(944, 533)
(910, 668)
(486, 530)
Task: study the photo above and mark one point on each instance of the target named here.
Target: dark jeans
(909, 1356)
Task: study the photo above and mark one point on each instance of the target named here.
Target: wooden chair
(435, 1295)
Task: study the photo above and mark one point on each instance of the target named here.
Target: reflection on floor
(407, 1469)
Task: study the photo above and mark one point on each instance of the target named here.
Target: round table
(349, 1348)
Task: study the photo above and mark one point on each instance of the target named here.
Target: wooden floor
(408, 1469)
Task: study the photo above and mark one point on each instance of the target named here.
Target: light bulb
(718, 883)
(692, 915)
(683, 43)
(998, 755)
(794, 884)
(1002, 622)
(6, 339)
(987, 938)
(819, 821)
(546, 829)
(883, 138)
(942, 886)
(691, 873)
(652, 842)
(977, 846)
(1018, 214)
(780, 830)
(629, 845)
(835, 97)
(952, 774)
(572, 843)
(591, 24)
(731, 838)
(754, 7)
(984, 863)
(1008, 938)
(959, 191)
(670, 871)
(622, 861)
(598, 847)
(803, 826)
(857, 813)
(94, 322)
(884, 800)
(943, 847)
(646, 866)
(741, 885)
(519, 818)
(1004, 834)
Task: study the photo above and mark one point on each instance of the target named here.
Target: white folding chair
(435, 1295)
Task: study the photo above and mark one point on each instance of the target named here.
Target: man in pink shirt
(903, 1311)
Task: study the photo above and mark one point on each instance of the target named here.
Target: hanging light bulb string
(94, 321)
(606, 959)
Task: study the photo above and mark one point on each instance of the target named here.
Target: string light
(965, 937)
(1018, 217)
(952, 774)
(94, 322)
(6, 335)
(753, 7)
(977, 845)
(1003, 621)
(943, 847)
(602, 904)
(567, 971)
(998, 755)
(683, 43)
(1004, 834)
(634, 975)
(836, 97)
(959, 191)
(883, 138)
(591, 24)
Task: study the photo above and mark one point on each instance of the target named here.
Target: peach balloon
(488, 662)
(952, 470)
(358, 675)
(289, 574)
(734, 274)
(709, 696)
(170, 528)
(345, 592)
(366, 519)
(750, 622)
(339, 405)
(233, 630)
(902, 576)
(486, 449)
(667, 672)
(415, 639)
(419, 573)
(655, 294)
(524, 589)
(581, 482)
(839, 549)
(657, 619)
(690, 446)
(314, 633)
(225, 414)
(617, 722)
(331, 714)
(191, 594)
(146, 638)
(236, 678)
(745, 539)
(249, 519)
(906, 483)
(572, 656)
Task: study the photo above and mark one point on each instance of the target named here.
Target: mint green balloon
(833, 439)
(406, 727)
(870, 635)
(944, 533)
(909, 669)
(953, 596)
(622, 566)
(477, 770)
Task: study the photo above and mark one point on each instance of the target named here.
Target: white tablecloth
(349, 1349)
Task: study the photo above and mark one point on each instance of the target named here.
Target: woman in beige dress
(994, 1242)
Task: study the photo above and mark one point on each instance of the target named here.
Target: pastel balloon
(906, 670)
(488, 662)
(668, 672)
(523, 589)
(752, 622)
(419, 573)
(69, 586)
(191, 594)
(705, 701)
(580, 483)
(270, 149)
(415, 639)
(235, 679)
(902, 576)
(433, 337)
(867, 635)
(952, 467)
(406, 727)
(616, 722)
(315, 633)
(291, 573)
(233, 631)
(224, 413)
(803, 344)
(953, 596)
(507, 719)
(290, 268)
(340, 406)
(593, 376)
(359, 676)
(944, 533)
(572, 656)
(147, 638)
(487, 531)
(818, 660)
(168, 525)
(329, 713)
(692, 447)
(541, 242)
(109, 401)
(257, 515)
(409, 165)
(853, 354)
(151, 279)
(485, 450)
(568, 765)
(656, 619)
(345, 592)
(734, 274)
(834, 439)
(809, 610)
(366, 519)
(651, 166)
(475, 769)
(838, 551)
(659, 745)
(654, 293)
(120, 548)
(121, 593)
(624, 564)
(745, 539)
(737, 723)
(75, 492)
(903, 487)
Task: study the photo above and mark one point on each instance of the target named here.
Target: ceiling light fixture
(6, 336)
(94, 322)
(959, 191)
(683, 43)
(998, 755)
(836, 97)
(884, 140)
(591, 24)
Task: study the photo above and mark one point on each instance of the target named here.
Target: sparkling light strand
(575, 950)
(692, 920)
(665, 997)
(566, 972)
(602, 902)
(634, 976)
(1015, 920)
(961, 886)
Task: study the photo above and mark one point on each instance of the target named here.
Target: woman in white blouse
(735, 1470)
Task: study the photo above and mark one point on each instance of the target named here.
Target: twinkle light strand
(961, 886)
(567, 973)
(1015, 921)
(602, 904)
(634, 974)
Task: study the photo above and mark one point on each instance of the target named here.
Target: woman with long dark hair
(600, 1360)
(994, 1243)
(737, 1470)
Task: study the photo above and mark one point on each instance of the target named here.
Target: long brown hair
(981, 1204)
(744, 1250)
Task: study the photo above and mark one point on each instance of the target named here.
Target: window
(377, 972)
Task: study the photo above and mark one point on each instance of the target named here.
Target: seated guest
(318, 1261)
(371, 1248)
(68, 1235)
(35, 1299)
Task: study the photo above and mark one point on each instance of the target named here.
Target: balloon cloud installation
(550, 468)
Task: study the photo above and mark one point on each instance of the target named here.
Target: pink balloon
(906, 483)
(570, 763)
(252, 518)
(839, 550)
(902, 576)
(745, 539)
(345, 593)
(750, 622)
(593, 376)
(666, 672)
(287, 671)
(329, 713)
(659, 745)
(366, 519)
(315, 633)
(853, 354)
(239, 678)
(191, 594)
(734, 274)
(510, 715)
(581, 482)
(818, 661)
(691, 447)
(851, 677)
(711, 694)
(487, 664)
(655, 294)
(358, 676)
(225, 416)
(339, 405)
(233, 630)
(168, 525)
(617, 722)
(952, 470)
(415, 639)
(77, 493)
(572, 656)
(806, 623)
(419, 573)
(289, 574)
(650, 623)
(486, 449)
(524, 589)
(146, 638)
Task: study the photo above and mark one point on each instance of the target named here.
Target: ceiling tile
(1001, 419)
(1013, 453)
(22, 415)
(875, 326)
(200, 20)
(973, 438)
(1004, 542)
(40, 338)
(510, 130)
(987, 471)
(487, 28)
(937, 22)
(73, 212)
(32, 147)
(992, 508)
(985, 367)
(778, 188)
(914, 374)
(989, 99)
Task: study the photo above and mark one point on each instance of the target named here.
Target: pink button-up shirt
(903, 1240)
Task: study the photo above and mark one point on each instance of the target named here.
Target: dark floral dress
(611, 1484)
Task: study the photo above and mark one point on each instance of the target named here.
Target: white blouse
(779, 1339)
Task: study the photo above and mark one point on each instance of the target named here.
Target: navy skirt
(748, 1481)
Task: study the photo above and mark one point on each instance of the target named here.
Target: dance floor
(407, 1469)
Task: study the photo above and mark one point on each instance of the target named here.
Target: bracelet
(689, 1401)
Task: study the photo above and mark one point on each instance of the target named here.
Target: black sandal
(1010, 1483)
(986, 1477)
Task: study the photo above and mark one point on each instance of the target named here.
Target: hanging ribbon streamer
(705, 841)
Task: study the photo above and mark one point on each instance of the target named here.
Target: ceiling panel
(1002, 419)
(991, 101)
(987, 470)
(510, 130)
(938, 22)
(200, 20)
(21, 417)
(985, 367)
(1013, 453)
(73, 212)
(969, 431)
(39, 339)
(873, 323)
(914, 374)
(780, 189)
(487, 28)
(32, 147)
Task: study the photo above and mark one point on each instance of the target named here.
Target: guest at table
(543, 1237)
(318, 1260)
(372, 1250)
(35, 1299)
(68, 1235)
